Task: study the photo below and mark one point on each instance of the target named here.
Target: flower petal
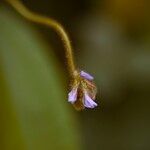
(72, 96)
(86, 75)
(88, 102)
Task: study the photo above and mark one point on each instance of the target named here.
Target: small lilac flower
(86, 75)
(83, 91)
(88, 102)
(72, 96)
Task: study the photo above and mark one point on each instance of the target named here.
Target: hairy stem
(20, 8)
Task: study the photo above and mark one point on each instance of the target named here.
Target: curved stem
(20, 8)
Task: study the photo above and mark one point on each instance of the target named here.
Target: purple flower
(72, 96)
(88, 102)
(86, 75)
(83, 91)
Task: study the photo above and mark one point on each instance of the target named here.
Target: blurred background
(111, 40)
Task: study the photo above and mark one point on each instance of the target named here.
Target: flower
(72, 96)
(83, 91)
(88, 102)
(86, 75)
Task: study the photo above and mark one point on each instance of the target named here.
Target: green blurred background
(111, 39)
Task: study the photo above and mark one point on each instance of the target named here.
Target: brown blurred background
(111, 40)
